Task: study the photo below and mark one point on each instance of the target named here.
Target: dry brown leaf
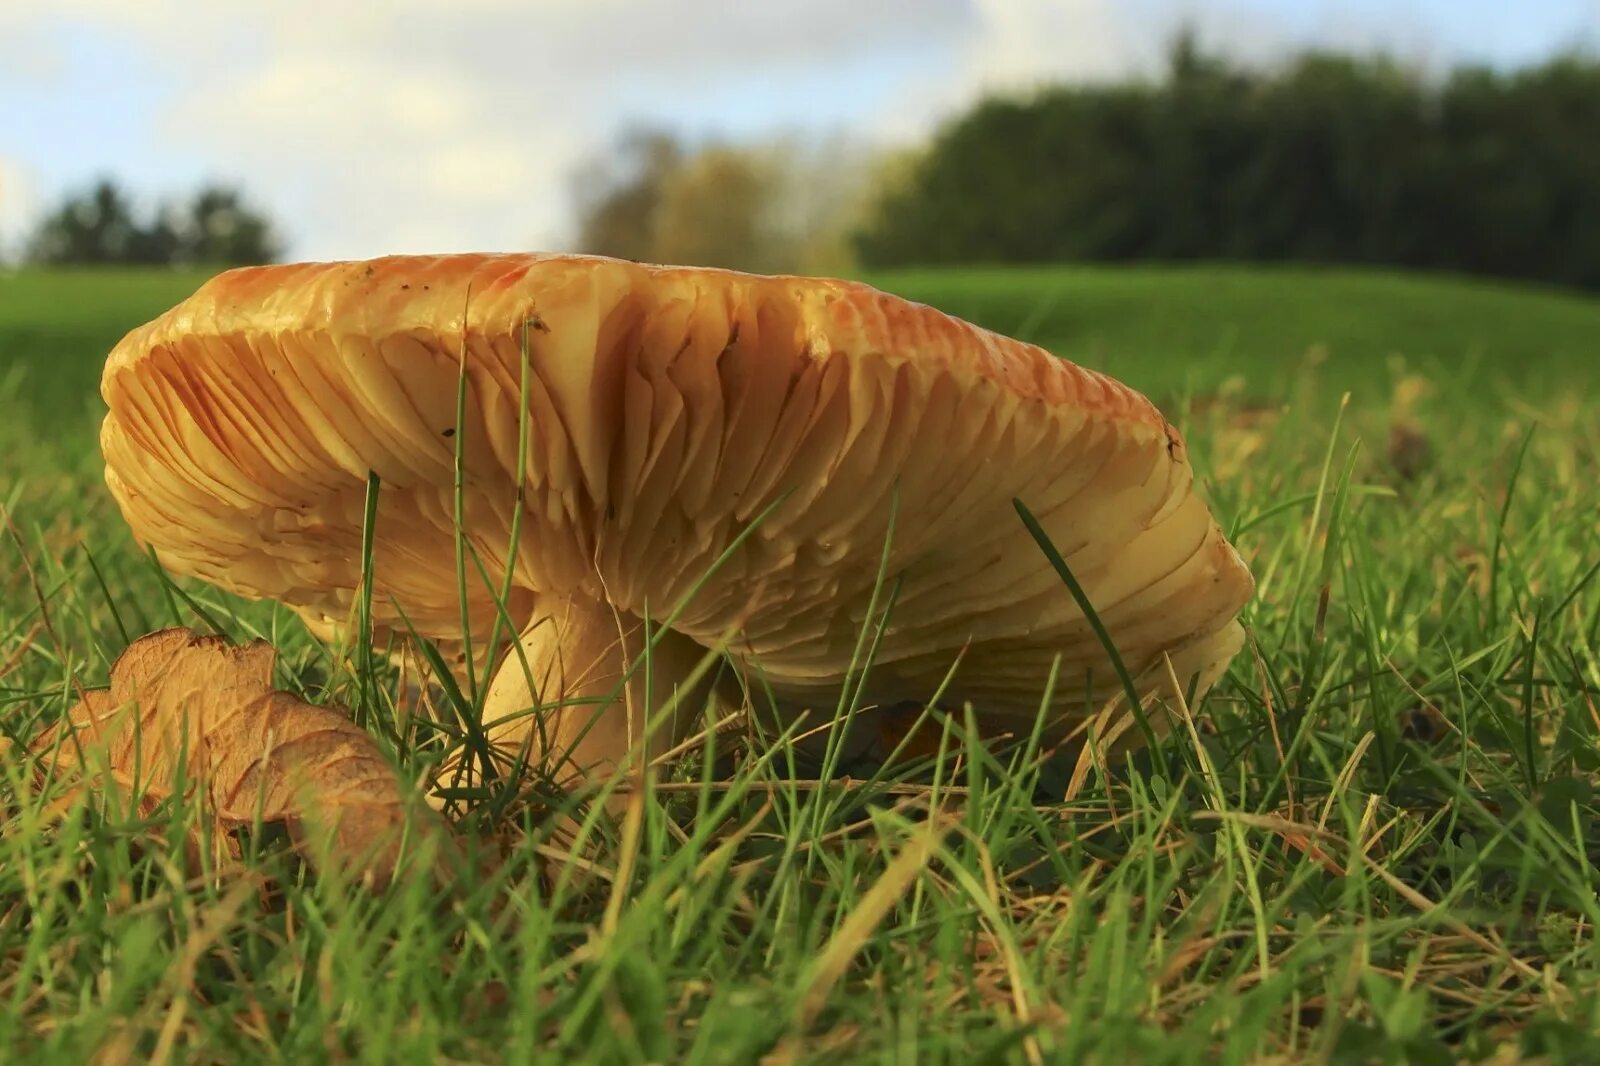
(1409, 450)
(199, 711)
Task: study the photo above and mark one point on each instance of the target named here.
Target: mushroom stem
(558, 698)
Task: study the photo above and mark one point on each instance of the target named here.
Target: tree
(220, 229)
(718, 209)
(97, 226)
(785, 204)
(619, 194)
(100, 226)
(1327, 158)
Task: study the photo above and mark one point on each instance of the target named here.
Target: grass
(1379, 844)
(1164, 328)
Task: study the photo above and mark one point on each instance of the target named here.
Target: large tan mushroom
(668, 411)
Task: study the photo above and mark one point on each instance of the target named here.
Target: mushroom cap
(668, 409)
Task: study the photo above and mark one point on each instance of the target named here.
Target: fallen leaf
(201, 714)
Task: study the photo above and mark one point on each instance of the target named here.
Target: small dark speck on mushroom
(405, 286)
(449, 432)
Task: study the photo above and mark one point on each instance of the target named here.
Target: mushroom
(752, 458)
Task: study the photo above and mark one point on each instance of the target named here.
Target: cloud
(414, 125)
(1011, 47)
(1008, 47)
(369, 155)
(27, 54)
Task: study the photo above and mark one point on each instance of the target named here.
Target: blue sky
(415, 125)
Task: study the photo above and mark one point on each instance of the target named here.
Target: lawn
(1378, 845)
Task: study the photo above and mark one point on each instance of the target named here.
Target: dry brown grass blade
(1285, 828)
(199, 713)
(857, 927)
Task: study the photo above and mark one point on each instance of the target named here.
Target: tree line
(1326, 159)
(101, 225)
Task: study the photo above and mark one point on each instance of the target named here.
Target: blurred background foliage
(786, 204)
(101, 225)
(1329, 159)
(1325, 158)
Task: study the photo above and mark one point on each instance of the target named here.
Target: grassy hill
(57, 326)
(1162, 329)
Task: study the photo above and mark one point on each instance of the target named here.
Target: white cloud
(1009, 46)
(413, 125)
(1088, 40)
(25, 51)
(368, 155)
(1012, 46)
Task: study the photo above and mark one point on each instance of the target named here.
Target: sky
(367, 127)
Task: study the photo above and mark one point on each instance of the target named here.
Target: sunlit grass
(1378, 840)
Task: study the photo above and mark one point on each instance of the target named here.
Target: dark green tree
(101, 226)
(1327, 158)
(96, 226)
(220, 229)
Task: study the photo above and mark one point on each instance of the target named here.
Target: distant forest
(1321, 159)
(100, 225)
(1327, 159)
